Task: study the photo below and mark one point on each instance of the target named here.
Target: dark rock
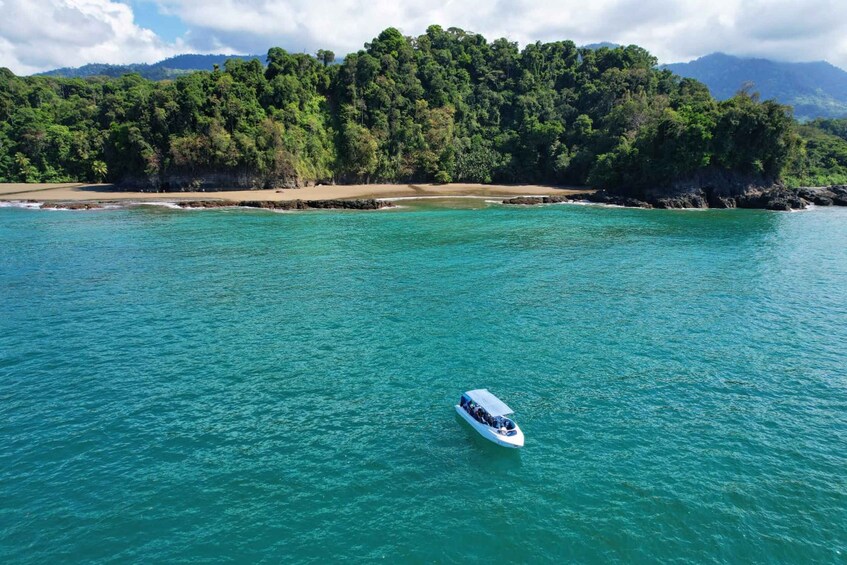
(839, 195)
(679, 202)
(71, 206)
(269, 204)
(818, 196)
(740, 192)
(524, 201)
(204, 204)
(604, 197)
(361, 204)
(716, 188)
(723, 202)
(534, 200)
(779, 198)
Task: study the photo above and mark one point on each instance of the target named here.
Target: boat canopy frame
(490, 403)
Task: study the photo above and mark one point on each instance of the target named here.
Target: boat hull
(513, 442)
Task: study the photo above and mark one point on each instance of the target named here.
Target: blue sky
(37, 35)
(149, 15)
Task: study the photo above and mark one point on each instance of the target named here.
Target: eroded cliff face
(774, 197)
(709, 188)
(715, 188)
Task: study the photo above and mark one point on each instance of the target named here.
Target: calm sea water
(252, 386)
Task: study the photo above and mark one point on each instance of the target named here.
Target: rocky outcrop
(360, 204)
(71, 206)
(719, 188)
(774, 197)
(534, 200)
(599, 197)
(604, 197)
(829, 196)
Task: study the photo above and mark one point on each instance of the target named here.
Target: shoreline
(104, 193)
(78, 196)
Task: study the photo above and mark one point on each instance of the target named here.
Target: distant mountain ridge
(816, 90)
(602, 44)
(165, 69)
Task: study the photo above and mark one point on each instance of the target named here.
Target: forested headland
(447, 106)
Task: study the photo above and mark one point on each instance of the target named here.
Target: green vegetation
(445, 106)
(822, 156)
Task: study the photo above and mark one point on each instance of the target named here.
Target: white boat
(487, 414)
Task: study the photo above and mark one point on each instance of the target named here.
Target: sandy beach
(77, 192)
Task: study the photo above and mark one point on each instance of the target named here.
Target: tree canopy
(445, 106)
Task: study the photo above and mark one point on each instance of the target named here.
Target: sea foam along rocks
(360, 204)
(598, 197)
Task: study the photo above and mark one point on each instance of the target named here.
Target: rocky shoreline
(358, 204)
(774, 198)
(71, 205)
(335, 204)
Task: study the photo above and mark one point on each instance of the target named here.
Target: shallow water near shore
(245, 385)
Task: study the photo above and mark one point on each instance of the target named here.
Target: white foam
(691, 209)
(99, 208)
(50, 207)
(20, 204)
(159, 203)
(176, 206)
(566, 203)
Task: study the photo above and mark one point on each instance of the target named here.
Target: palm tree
(99, 169)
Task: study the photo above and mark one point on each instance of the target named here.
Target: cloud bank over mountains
(37, 35)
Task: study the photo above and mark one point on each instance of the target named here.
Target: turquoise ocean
(249, 386)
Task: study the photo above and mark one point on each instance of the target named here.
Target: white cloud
(44, 34)
(47, 33)
(672, 29)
